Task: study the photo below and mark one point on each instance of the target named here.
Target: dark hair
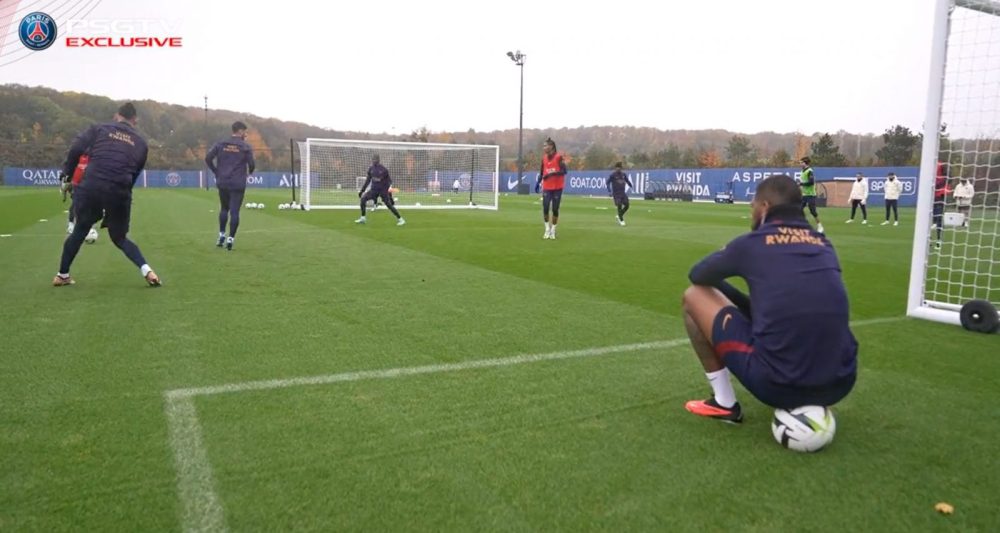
(127, 111)
(549, 141)
(618, 164)
(239, 126)
(806, 160)
(375, 158)
(779, 190)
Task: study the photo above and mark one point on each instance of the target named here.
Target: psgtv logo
(37, 31)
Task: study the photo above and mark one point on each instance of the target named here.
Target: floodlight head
(510, 55)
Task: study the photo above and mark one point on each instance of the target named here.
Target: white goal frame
(919, 303)
(486, 168)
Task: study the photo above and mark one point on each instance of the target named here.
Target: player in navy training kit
(789, 342)
(231, 160)
(378, 178)
(117, 157)
(617, 182)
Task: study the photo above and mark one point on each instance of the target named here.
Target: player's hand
(360, 193)
(537, 187)
(862, 202)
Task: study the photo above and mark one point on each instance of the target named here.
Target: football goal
(424, 175)
(955, 267)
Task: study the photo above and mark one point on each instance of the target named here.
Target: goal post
(956, 245)
(424, 175)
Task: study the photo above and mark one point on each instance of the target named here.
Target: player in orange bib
(551, 179)
(78, 172)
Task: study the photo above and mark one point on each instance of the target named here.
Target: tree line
(37, 125)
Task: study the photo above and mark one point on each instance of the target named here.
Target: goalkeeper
(789, 342)
(551, 179)
(380, 181)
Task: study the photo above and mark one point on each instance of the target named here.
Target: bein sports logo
(37, 31)
(173, 179)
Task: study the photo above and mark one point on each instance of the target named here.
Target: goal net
(424, 175)
(956, 249)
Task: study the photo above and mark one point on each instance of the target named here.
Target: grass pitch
(569, 438)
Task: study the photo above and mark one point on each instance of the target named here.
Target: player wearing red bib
(551, 179)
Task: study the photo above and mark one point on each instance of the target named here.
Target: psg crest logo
(37, 31)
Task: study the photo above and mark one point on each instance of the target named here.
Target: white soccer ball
(418, 204)
(804, 429)
(282, 207)
(260, 206)
(252, 205)
(448, 200)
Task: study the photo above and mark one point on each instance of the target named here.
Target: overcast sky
(394, 66)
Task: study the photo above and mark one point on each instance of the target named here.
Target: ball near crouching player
(788, 342)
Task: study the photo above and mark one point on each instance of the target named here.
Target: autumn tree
(709, 159)
(780, 158)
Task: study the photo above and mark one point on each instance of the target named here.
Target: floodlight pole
(518, 59)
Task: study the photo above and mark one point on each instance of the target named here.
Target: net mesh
(964, 253)
(423, 175)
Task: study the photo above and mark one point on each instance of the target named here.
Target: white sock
(548, 227)
(553, 228)
(145, 270)
(222, 234)
(63, 276)
(722, 387)
(230, 239)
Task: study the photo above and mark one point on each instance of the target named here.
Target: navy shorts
(372, 194)
(109, 201)
(732, 338)
(621, 200)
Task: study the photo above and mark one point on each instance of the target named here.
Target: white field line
(414, 370)
(201, 507)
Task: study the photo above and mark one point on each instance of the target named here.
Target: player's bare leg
(701, 305)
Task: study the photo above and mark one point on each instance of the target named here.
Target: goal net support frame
(963, 265)
(424, 175)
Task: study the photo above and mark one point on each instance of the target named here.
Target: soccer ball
(91, 237)
(251, 205)
(260, 206)
(804, 429)
(448, 200)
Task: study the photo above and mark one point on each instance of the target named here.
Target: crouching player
(789, 342)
